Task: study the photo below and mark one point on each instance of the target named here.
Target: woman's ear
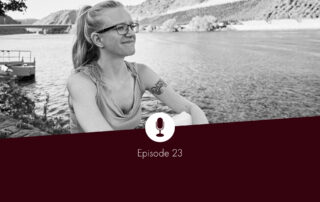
(96, 39)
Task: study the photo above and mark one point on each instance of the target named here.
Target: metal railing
(7, 56)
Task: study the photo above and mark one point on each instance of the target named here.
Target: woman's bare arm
(166, 94)
(83, 95)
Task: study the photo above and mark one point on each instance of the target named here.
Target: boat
(17, 63)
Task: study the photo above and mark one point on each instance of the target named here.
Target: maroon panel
(260, 161)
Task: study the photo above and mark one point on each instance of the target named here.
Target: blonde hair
(84, 50)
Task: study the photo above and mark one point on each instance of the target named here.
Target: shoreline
(280, 24)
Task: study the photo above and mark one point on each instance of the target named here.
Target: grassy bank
(15, 103)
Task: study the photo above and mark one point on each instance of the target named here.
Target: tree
(12, 5)
(169, 25)
(205, 23)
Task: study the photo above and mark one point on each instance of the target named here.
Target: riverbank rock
(12, 128)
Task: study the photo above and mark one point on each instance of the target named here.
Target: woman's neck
(112, 68)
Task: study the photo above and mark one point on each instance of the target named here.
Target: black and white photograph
(81, 66)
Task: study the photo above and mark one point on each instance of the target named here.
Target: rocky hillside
(278, 9)
(59, 17)
(246, 10)
(8, 20)
(150, 8)
(295, 9)
(28, 21)
(158, 11)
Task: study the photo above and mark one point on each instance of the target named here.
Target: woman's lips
(128, 42)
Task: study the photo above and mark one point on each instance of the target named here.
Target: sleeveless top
(110, 110)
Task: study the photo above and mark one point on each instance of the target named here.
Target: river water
(232, 76)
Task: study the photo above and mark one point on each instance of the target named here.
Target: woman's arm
(166, 94)
(83, 95)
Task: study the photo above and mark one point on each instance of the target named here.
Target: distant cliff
(28, 21)
(151, 8)
(60, 17)
(156, 12)
(295, 9)
(8, 20)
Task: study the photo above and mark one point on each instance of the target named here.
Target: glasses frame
(116, 28)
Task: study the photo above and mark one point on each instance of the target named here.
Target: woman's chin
(130, 51)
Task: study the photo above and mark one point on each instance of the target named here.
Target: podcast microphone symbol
(160, 126)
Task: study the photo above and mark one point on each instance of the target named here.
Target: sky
(41, 8)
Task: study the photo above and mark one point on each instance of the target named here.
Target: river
(232, 76)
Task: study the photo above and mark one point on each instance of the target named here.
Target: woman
(105, 90)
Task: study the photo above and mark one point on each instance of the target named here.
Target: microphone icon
(160, 126)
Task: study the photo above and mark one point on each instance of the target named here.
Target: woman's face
(113, 42)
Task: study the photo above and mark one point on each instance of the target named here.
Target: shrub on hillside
(169, 25)
(205, 23)
(150, 28)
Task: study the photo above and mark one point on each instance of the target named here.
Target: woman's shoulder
(141, 69)
(85, 73)
(79, 80)
(78, 77)
(146, 75)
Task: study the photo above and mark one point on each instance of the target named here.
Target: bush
(205, 23)
(169, 25)
(150, 28)
(15, 103)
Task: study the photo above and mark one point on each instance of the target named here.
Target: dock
(18, 63)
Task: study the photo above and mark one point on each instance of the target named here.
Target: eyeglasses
(122, 28)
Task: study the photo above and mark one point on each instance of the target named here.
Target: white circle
(155, 134)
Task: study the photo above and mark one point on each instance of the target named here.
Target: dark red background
(274, 160)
